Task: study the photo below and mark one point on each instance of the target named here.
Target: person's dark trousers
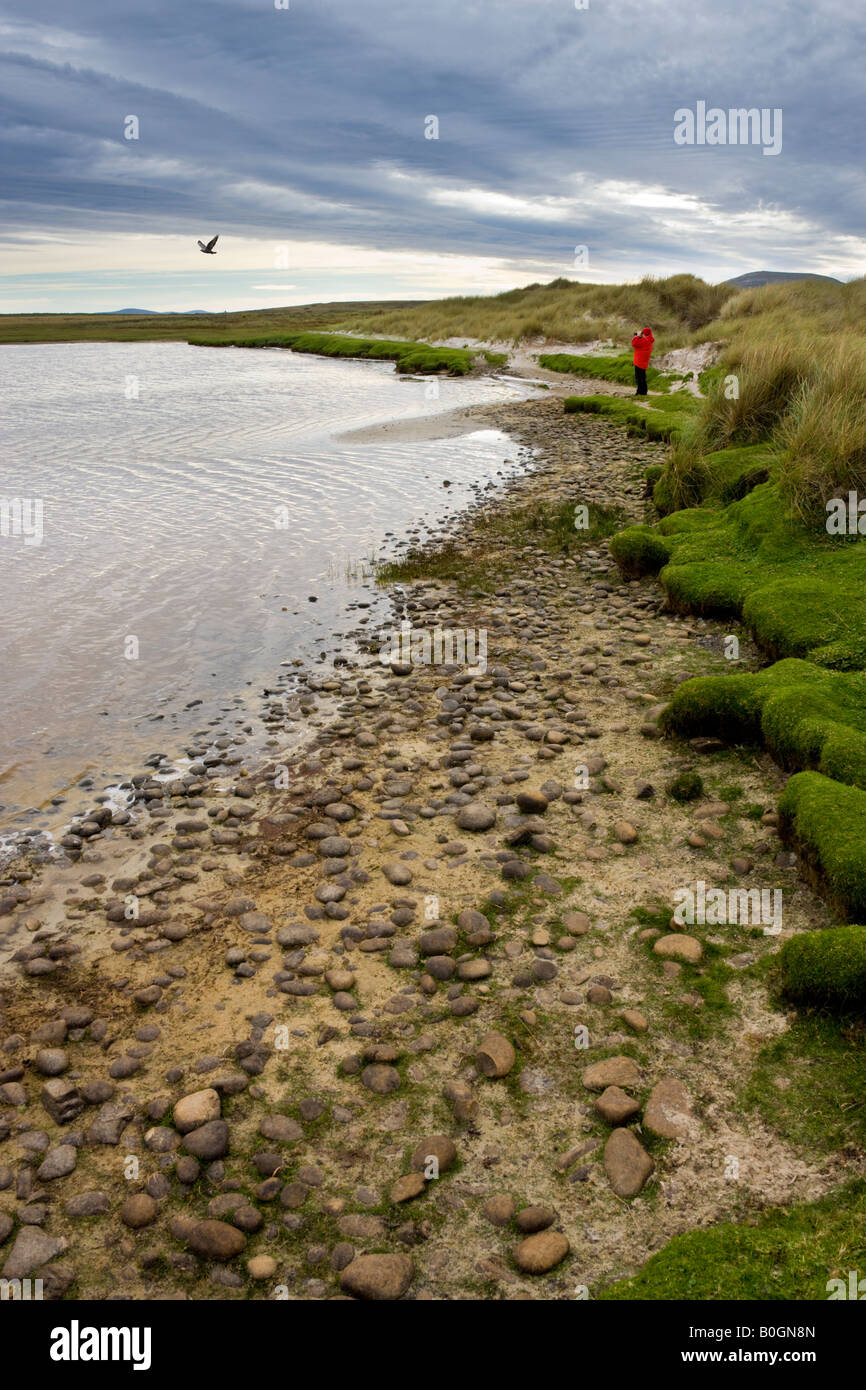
(640, 381)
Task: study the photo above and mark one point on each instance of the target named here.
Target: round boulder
(216, 1240)
(381, 1278)
(196, 1109)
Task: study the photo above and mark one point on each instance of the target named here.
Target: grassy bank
(619, 368)
(408, 357)
(799, 592)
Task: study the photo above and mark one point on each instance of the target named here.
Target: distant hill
(186, 312)
(754, 278)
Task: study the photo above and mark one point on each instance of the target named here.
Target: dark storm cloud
(275, 123)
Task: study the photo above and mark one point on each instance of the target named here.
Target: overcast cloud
(299, 136)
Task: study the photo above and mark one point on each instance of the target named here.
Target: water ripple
(161, 468)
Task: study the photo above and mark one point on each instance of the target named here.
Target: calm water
(193, 500)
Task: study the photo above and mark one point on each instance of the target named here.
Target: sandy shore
(245, 1036)
(522, 365)
(448, 425)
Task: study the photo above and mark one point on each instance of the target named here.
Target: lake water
(192, 501)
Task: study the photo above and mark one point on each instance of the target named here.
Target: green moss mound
(409, 357)
(797, 588)
(661, 419)
(788, 1254)
(799, 592)
(638, 551)
(619, 368)
(808, 717)
(715, 479)
(827, 822)
(826, 968)
(688, 786)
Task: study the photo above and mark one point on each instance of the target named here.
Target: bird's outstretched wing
(201, 246)
(212, 243)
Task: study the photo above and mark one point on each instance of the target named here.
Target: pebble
(405, 1188)
(613, 1071)
(615, 1107)
(397, 874)
(196, 1109)
(541, 1252)
(499, 1209)
(635, 1020)
(476, 816)
(378, 1277)
(576, 923)
(59, 1162)
(139, 1210)
(51, 1061)
(495, 1055)
(380, 1078)
(536, 1218)
(216, 1240)
(626, 1163)
(87, 1204)
(438, 1146)
(209, 1141)
(667, 1112)
(32, 1249)
(679, 947)
(281, 1129)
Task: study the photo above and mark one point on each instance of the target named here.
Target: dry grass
(564, 311)
(824, 429)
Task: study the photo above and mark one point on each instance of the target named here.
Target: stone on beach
(380, 1278)
(668, 1111)
(495, 1055)
(541, 1252)
(216, 1240)
(613, 1071)
(626, 1163)
(196, 1109)
(678, 946)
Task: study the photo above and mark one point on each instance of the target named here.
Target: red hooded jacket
(643, 347)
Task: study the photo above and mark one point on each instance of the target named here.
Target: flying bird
(209, 249)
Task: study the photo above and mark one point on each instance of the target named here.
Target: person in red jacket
(643, 347)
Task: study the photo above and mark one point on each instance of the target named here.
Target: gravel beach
(399, 1014)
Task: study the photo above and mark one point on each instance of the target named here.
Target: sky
(401, 149)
